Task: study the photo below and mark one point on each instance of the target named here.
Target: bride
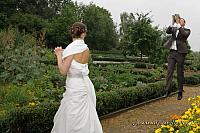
(77, 112)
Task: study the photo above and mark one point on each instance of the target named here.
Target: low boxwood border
(192, 80)
(108, 102)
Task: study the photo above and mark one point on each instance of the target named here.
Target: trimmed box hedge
(192, 80)
(38, 119)
(108, 102)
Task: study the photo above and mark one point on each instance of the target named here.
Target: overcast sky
(162, 11)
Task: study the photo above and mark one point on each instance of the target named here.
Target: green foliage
(20, 57)
(58, 33)
(12, 96)
(54, 17)
(29, 23)
(43, 8)
(159, 54)
(194, 61)
(3, 20)
(48, 87)
(29, 119)
(138, 35)
(39, 7)
(101, 30)
(140, 65)
(115, 55)
(107, 77)
(192, 80)
(8, 7)
(124, 97)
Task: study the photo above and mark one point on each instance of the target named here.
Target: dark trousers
(173, 58)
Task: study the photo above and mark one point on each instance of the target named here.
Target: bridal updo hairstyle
(77, 29)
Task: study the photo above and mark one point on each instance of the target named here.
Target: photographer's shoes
(166, 94)
(180, 96)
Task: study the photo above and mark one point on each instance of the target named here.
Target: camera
(175, 17)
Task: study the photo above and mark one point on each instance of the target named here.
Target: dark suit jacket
(181, 39)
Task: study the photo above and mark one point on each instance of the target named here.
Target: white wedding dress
(77, 112)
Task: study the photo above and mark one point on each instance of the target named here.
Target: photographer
(178, 50)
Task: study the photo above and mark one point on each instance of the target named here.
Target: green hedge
(119, 59)
(192, 80)
(140, 65)
(39, 119)
(145, 65)
(108, 102)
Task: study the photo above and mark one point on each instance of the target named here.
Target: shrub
(29, 119)
(19, 57)
(108, 59)
(193, 61)
(140, 65)
(108, 102)
(106, 77)
(13, 95)
(28, 23)
(192, 80)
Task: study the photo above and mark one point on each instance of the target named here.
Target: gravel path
(145, 118)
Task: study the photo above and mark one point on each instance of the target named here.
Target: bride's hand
(58, 51)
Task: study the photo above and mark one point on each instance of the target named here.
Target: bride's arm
(63, 64)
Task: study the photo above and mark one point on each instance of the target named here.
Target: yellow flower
(191, 117)
(32, 104)
(171, 129)
(17, 104)
(189, 99)
(195, 107)
(189, 109)
(178, 121)
(158, 130)
(194, 104)
(191, 132)
(185, 121)
(163, 126)
(191, 123)
(198, 110)
(184, 116)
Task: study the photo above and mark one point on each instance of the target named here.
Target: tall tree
(138, 35)
(101, 29)
(8, 7)
(58, 31)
